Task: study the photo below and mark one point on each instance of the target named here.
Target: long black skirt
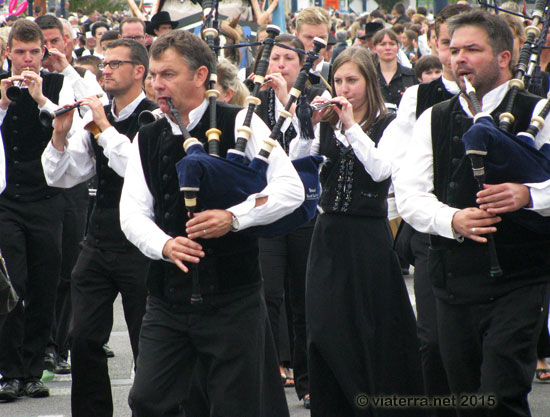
(362, 339)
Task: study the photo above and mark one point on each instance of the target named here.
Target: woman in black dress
(361, 327)
(283, 259)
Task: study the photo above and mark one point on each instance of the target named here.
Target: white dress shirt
(77, 162)
(401, 129)
(414, 186)
(284, 190)
(375, 159)
(400, 133)
(84, 87)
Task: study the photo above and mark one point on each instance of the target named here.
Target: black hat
(161, 18)
(372, 27)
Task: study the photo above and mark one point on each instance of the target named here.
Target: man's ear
(503, 59)
(201, 75)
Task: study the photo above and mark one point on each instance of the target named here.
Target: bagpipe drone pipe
(220, 183)
(498, 157)
(507, 157)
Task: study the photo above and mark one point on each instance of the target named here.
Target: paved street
(58, 404)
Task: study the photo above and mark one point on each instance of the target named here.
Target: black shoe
(49, 361)
(108, 351)
(10, 390)
(34, 388)
(63, 367)
(307, 401)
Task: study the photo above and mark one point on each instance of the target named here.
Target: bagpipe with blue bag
(498, 156)
(209, 181)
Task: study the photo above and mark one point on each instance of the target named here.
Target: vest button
(15, 162)
(15, 148)
(455, 162)
(453, 186)
(17, 196)
(166, 197)
(165, 177)
(456, 139)
(14, 118)
(166, 216)
(165, 158)
(18, 185)
(172, 290)
(15, 132)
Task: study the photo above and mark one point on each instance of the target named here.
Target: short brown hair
(447, 12)
(131, 20)
(426, 63)
(138, 52)
(191, 48)
(313, 16)
(25, 31)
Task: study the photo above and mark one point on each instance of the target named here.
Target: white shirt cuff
(444, 221)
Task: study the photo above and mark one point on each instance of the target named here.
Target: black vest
(24, 141)
(460, 270)
(104, 228)
(231, 261)
(430, 94)
(347, 186)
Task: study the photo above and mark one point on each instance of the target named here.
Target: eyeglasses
(135, 38)
(114, 64)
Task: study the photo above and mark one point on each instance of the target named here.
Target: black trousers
(543, 345)
(491, 348)
(74, 226)
(285, 259)
(227, 344)
(98, 277)
(433, 371)
(30, 240)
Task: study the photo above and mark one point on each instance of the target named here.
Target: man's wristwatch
(234, 223)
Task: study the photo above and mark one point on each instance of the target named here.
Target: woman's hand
(344, 110)
(277, 81)
(318, 115)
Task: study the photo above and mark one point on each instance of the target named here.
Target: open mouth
(464, 73)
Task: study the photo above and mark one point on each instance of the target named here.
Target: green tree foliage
(103, 5)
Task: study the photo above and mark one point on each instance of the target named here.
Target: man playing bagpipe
(223, 338)
(488, 324)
